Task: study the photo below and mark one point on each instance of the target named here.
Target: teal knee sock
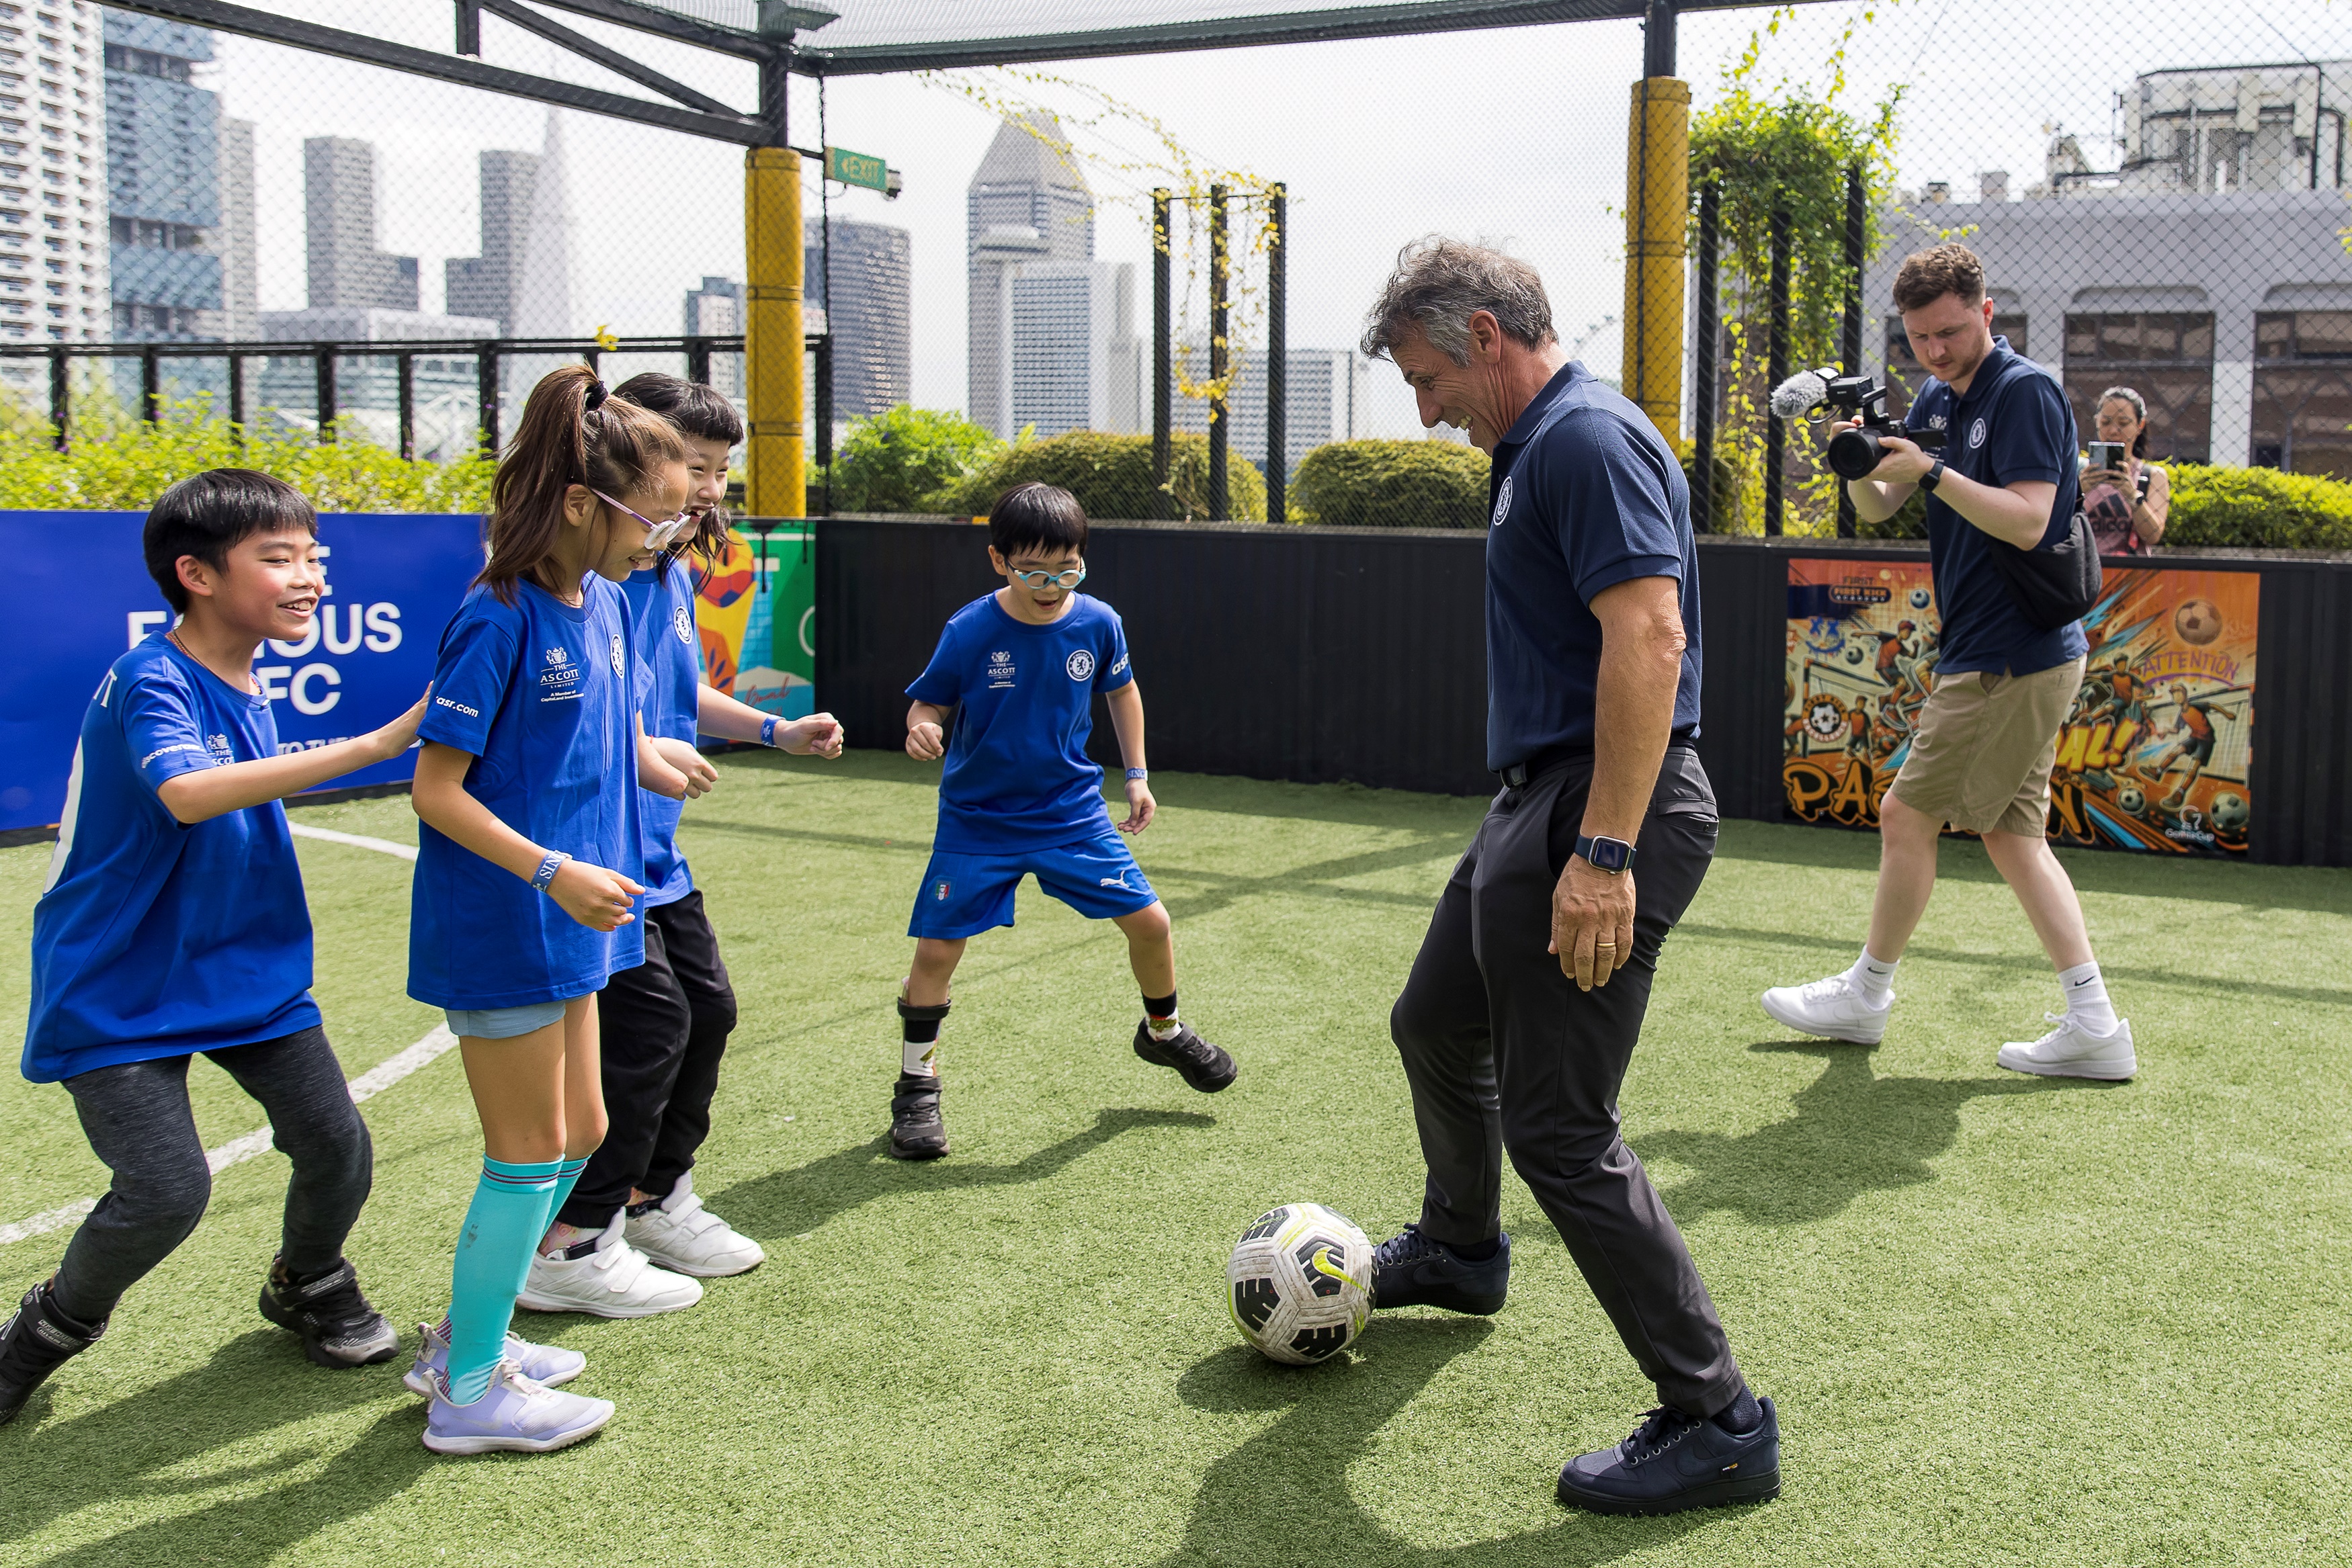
(567, 1177)
(504, 1224)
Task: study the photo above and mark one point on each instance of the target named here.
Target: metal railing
(488, 353)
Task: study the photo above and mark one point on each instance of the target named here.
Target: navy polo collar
(1990, 370)
(1532, 416)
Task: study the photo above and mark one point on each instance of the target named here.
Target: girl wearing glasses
(666, 1021)
(527, 870)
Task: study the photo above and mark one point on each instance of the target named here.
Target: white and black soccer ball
(1300, 1283)
(1921, 599)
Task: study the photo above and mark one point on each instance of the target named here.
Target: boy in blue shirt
(173, 923)
(1019, 668)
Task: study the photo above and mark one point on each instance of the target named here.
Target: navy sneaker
(339, 1327)
(1674, 1461)
(34, 1343)
(1410, 1269)
(918, 1130)
(1204, 1066)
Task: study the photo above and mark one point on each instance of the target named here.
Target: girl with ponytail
(528, 867)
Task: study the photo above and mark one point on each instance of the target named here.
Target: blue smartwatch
(1612, 855)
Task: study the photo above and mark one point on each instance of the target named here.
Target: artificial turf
(2007, 1320)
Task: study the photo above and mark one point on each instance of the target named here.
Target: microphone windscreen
(1800, 392)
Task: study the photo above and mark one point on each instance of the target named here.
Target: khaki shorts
(1981, 756)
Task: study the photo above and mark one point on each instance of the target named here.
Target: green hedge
(2259, 507)
(1111, 477)
(895, 462)
(1392, 484)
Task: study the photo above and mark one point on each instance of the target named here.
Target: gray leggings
(137, 1118)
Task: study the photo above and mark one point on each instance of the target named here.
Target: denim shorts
(503, 1023)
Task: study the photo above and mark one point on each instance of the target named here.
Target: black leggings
(137, 1118)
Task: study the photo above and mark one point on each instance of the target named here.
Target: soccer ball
(2230, 812)
(1300, 1284)
(1853, 653)
(2199, 620)
(2130, 802)
(1920, 598)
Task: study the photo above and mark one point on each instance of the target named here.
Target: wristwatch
(1932, 477)
(1612, 855)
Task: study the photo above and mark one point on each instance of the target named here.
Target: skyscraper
(164, 182)
(716, 311)
(347, 270)
(237, 243)
(868, 302)
(1073, 353)
(491, 285)
(53, 237)
(1027, 205)
(1320, 397)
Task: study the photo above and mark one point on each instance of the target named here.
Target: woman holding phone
(2125, 498)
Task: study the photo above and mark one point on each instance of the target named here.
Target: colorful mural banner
(2154, 756)
(756, 610)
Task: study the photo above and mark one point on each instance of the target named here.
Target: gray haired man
(1527, 998)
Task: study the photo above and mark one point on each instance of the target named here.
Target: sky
(1512, 135)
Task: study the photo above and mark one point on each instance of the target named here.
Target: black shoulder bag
(2052, 587)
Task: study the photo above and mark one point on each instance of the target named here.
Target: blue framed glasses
(1045, 579)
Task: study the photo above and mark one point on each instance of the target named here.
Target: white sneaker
(615, 1281)
(2070, 1050)
(684, 1236)
(1834, 1008)
(515, 1414)
(545, 1365)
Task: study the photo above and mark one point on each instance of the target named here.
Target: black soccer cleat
(1204, 1066)
(339, 1326)
(917, 1132)
(1676, 1461)
(34, 1343)
(1412, 1270)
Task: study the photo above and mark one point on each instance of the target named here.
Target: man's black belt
(1517, 775)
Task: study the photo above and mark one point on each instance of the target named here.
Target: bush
(896, 462)
(2259, 507)
(1392, 485)
(122, 465)
(1111, 477)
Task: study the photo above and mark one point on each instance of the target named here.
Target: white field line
(366, 1086)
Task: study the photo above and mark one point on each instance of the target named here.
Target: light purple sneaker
(515, 1415)
(545, 1365)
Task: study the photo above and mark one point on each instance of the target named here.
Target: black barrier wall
(1326, 655)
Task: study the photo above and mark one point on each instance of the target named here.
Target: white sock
(1163, 1029)
(2086, 998)
(1874, 977)
(918, 1058)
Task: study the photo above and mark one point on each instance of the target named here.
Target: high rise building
(715, 309)
(491, 285)
(239, 252)
(1320, 397)
(865, 302)
(1073, 347)
(53, 233)
(164, 182)
(346, 271)
(1027, 205)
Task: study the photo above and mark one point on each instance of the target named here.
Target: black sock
(922, 1031)
(1159, 1007)
(1742, 1416)
(1476, 1251)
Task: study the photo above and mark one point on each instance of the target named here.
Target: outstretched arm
(818, 735)
(210, 792)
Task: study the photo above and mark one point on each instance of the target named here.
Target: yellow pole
(1657, 197)
(776, 449)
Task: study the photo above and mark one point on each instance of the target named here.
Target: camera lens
(1854, 453)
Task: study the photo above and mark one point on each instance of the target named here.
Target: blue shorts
(965, 894)
(503, 1023)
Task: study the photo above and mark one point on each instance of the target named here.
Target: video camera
(1811, 395)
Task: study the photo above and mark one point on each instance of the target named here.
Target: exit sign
(857, 169)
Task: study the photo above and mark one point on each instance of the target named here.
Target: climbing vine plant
(1135, 151)
(1785, 147)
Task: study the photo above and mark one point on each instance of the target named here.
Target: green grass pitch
(2007, 1320)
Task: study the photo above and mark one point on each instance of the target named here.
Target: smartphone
(2108, 454)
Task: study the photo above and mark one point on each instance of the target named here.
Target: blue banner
(79, 597)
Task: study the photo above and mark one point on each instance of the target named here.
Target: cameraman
(1987, 737)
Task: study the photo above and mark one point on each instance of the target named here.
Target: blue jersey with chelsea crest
(545, 695)
(1017, 776)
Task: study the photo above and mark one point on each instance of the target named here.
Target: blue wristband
(768, 733)
(546, 872)
(1134, 773)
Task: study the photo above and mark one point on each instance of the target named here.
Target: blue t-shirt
(545, 697)
(1017, 776)
(661, 610)
(1584, 494)
(154, 939)
(2014, 423)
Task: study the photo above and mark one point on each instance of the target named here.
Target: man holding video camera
(1987, 738)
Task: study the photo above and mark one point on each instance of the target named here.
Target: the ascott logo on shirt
(218, 745)
(1503, 503)
(1000, 669)
(560, 681)
(559, 656)
(1081, 664)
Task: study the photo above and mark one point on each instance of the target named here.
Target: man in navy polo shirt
(1987, 736)
(1527, 998)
